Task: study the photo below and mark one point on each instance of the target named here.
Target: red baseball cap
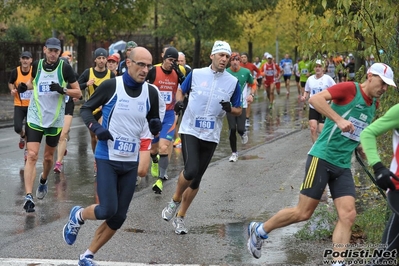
(113, 58)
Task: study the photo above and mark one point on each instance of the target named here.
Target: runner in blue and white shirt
(212, 92)
(287, 67)
(130, 120)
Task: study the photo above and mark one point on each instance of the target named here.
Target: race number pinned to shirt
(167, 96)
(304, 71)
(125, 146)
(359, 127)
(26, 95)
(205, 122)
(316, 90)
(44, 88)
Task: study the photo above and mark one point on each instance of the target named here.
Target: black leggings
(236, 124)
(390, 241)
(197, 154)
(20, 113)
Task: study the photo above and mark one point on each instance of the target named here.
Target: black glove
(179, 74)
(179, 105)
(226, 106)
(56, 87)
(383, 176)
(22, 87)
(101, 133)
(155, 126)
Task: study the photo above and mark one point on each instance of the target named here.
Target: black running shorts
(314, 115)
(319, 173)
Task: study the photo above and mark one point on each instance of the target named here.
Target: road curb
(6, 124)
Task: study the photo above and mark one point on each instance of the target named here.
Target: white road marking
(47, 262)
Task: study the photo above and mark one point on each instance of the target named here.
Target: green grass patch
(371, 222)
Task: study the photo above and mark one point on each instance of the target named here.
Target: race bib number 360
(124, 146)
(203, 122)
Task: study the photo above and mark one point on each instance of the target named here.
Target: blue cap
(53, 43)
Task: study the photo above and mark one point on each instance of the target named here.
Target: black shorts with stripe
(319, 173)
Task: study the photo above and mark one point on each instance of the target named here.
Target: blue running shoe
(72, 227)
(86, 261)
(41, 191)
(255, 241)
(29, 205)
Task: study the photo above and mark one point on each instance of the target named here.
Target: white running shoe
(247, 123)
(170, 210)
(233, 157)
(255, 241)
(244, 138)
(180, 227)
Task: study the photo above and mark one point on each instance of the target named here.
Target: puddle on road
(278, 249)
(134, 230)
(250, 157)
(275, 250)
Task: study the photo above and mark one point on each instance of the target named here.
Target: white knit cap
(221, 47)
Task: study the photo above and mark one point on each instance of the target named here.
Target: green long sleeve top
(389, 121)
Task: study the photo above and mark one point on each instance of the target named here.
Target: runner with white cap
(351, 110)
(212, 92)
(315, 84)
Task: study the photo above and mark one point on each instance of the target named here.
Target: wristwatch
(253, 95)
(65, 90)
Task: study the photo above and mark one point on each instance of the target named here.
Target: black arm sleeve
(154, 103)
(151, 75)
(34, 68)
(100, 97)
(13, 76)
(68, 73)
(83, 79)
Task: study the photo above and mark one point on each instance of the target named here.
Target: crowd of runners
(136, 112)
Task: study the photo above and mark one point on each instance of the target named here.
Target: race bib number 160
(204, 122)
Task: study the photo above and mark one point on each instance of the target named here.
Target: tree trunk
(197, 52)
(296, 54)
(82, 41)
(359, 60)
(156, 39)
(250, 51)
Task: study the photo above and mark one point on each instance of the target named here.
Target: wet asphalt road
(265, 179)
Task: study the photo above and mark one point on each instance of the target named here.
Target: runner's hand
(155, 126)
(226, 106)
(181, 76)
(383, 176)
(101, 132)
(179, 105)
(22, 87)
(56, 87)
